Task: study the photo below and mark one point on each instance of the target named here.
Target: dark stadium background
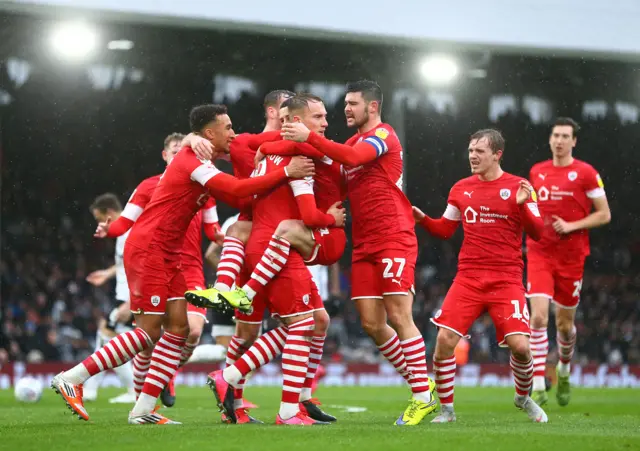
(66, 137)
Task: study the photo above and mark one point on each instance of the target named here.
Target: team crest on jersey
(572, 175)
(155, 301)
(505, 193)
(305, 299)
(382, 133)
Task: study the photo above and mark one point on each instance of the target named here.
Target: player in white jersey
(119, 318)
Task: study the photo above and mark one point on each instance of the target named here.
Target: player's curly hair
(202, 115)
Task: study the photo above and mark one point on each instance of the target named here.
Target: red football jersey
(566, 192)
(241, 156)
(492, 224)
(178, 196)
(329, 186)
(379, 209)
(140, 198)
(278, 205)
(192, 246)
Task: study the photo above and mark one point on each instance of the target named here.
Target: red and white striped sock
(315, 357)
(187, 351)
(273, 260)
(141, 363)
(539, 351)
(234, 352)
(117, 351)
(164, 364)
(392, 351)
(566, 346)
(522, 375)
(295, 360)
(445, 379)
(266, 348)
(415, 354)
(231, 262)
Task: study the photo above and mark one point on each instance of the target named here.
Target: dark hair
(173, 137)
(201, 115)
(495, 138)
(301, 101)
(272, 99)
(106, 202)
(370, 90)
(561, 121)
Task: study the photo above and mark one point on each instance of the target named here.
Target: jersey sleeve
(452, 212)
(210, 211)
(382, 140)
(593, 184)
(200, 171)
(302, 186)
(139, 200)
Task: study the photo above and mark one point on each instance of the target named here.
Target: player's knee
(153, 332)
(372, 326)
(400, 319)
(564, 326)
(520, 348)
(289, 229)
(240, 230)
(539, 320)
(247, 332)
(321, 320)
(446, 343)
(194, 335)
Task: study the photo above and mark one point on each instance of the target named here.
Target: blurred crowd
(49, 312)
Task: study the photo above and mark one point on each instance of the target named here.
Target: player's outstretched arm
(365, 151)
(99, 277)
(599, 217)
(113, 229)
(222, 183)
(442, 228)
(254, 141)
(289, 148)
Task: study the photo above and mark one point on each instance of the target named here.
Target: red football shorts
(330, 244)
(153, 280)
(469, 297)
(383, 270)
(560, 280)
(291, 293)
(194, 279)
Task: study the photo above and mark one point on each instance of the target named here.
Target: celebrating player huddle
(289, 185)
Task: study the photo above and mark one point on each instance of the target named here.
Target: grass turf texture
(596, 419)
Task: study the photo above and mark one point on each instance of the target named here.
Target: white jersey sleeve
(122, 287)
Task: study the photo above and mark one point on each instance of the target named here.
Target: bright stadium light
(439, 69)
(120, 44)
(74, 41)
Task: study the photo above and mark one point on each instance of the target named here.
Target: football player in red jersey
(325, 245)
(572, 200)
(152, 263)
(494, 208)
(191, 260)
(385, 247)
(292, 296)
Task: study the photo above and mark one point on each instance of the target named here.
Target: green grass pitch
(596, 419)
